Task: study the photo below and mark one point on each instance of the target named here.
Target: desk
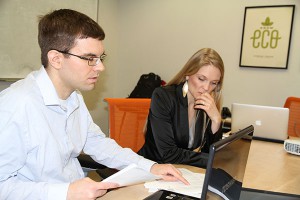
(269, 167)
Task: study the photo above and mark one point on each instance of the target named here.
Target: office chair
(88, 164)
(293, 103)
(127, 120)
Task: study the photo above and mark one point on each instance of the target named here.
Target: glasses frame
(89, 59)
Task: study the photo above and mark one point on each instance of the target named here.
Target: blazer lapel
(199, 129)
(184, 122)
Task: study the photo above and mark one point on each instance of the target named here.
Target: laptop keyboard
(178, 197)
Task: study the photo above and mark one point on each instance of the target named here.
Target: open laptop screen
(226, 166)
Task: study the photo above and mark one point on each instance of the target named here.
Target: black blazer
(167, 135)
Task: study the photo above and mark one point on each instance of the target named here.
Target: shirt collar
(48, 90)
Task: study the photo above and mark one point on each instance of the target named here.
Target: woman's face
(204, 81)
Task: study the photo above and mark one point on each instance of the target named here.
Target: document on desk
(131, 175)
(194, 189)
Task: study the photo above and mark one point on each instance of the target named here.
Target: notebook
(270, 123)
(225, 170)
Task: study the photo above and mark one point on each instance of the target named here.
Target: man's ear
(55, 59)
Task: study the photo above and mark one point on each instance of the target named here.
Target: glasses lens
(102, 57)
(97, 61)
(93, 61)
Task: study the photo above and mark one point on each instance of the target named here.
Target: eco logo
(266, 36)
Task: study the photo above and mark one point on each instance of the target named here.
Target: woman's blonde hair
(203, 57)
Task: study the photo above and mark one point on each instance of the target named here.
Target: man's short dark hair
(59, 30)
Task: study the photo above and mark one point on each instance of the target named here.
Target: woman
(184, 117)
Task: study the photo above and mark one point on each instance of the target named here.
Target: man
(44, 122)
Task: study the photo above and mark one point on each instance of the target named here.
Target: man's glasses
(92, 61)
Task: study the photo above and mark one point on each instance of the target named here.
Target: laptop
(224, 172)
(270, 123)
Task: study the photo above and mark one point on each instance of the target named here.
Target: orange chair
(293, 103)
(127, 120)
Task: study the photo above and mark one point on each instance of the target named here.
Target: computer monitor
(226, 166)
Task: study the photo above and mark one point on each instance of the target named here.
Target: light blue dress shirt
(41, 137)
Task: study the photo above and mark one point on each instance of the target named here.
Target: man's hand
(168, 172)
(86, 189)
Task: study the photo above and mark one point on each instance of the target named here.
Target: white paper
(196, 181)
(130, 175)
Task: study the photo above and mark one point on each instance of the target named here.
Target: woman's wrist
(216, 124)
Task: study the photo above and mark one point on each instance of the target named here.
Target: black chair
(87, 162)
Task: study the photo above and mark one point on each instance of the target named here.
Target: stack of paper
(131, 175)
(194, 189)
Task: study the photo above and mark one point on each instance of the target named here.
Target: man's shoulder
(19, 91)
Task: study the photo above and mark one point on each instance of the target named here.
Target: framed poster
(266, 36)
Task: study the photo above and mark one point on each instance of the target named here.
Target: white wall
(18, 28)
(160, 35)
(108, 18)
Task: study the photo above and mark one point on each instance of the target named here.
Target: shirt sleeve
(107, 152)
(211, 137)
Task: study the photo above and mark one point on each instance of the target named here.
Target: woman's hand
(206, 102)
